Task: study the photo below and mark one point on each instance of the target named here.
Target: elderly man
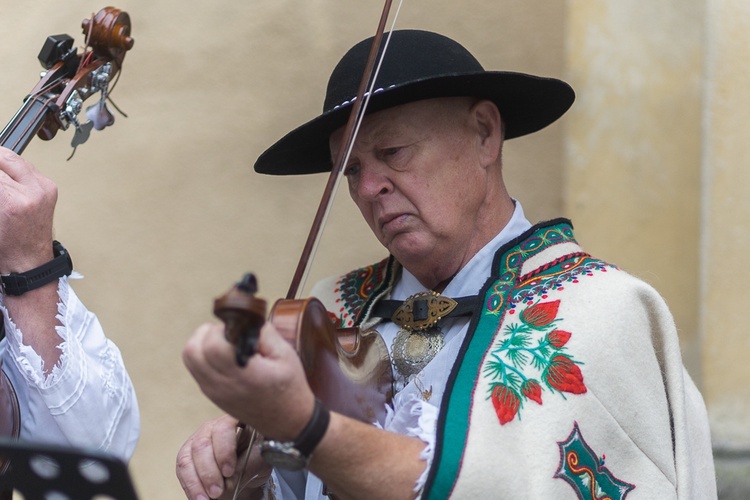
(548, 361)
(67, 379)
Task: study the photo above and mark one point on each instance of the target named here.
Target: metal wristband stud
(20, 283)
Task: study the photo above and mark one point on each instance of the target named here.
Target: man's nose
(373, 181)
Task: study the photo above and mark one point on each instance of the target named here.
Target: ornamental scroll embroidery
(582, 469)
(511, 265)
(354, 289)
(528, 359)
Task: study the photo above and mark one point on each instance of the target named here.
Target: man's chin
(408, 249)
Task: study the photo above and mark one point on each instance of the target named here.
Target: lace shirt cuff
(416, 418)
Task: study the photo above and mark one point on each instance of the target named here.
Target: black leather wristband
(296, 455)
(20, 283)
(314, 431)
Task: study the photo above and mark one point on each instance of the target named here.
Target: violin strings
(238, 487)
(349, 149)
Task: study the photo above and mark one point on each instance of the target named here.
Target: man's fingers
(207, 350)
(186, 473)
(272, 344)
(225, 444)
(207, 459)
(15, 166)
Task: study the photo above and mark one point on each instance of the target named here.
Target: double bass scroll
(70, 79)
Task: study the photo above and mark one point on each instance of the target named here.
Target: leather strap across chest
(423, 310)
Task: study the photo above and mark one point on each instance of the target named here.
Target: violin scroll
(243, 314)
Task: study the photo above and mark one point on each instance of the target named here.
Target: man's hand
(271, 393)
(27, 205)
(207, 463)
(355, 459)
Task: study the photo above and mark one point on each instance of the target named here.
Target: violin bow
(350, 133)
(353, 123)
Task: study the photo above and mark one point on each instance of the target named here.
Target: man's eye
(390, 151)
(352, 169)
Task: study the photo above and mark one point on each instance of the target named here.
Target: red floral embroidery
(529, 351)
(564, 375)
(558, 338)
(532, 390)
(506, 403)
(540, 314)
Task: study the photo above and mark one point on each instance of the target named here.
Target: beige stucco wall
(725, 216)
(162, 212)
(657, 179)
(634, 147)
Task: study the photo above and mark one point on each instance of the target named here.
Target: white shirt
(88, 400)
(417, 401)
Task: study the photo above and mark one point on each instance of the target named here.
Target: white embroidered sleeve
(88, 400)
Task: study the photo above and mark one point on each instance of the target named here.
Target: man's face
(416, 176)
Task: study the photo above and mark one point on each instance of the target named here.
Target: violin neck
(25, 124)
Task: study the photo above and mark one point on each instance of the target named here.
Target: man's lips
(391, 221)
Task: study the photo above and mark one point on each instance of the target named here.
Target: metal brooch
(422, 311)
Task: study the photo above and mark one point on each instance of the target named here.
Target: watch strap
(20, 283)
(314, 431)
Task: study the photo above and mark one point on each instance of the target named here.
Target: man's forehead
(400, 119)
(377, 126)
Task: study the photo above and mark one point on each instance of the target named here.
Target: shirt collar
(472, 276)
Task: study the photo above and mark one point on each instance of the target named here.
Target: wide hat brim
(418, 65)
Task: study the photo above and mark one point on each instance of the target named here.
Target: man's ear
(491, 130)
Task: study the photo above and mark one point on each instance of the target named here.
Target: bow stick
(350, 132)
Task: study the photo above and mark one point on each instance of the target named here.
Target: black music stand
(41, 472)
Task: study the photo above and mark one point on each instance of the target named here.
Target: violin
(69, 79)
(348, 369)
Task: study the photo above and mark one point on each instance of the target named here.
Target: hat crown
(413, 55)
(419, 65)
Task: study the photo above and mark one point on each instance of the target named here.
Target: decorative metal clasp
(423, 310)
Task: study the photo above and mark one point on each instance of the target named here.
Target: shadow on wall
(732, 475)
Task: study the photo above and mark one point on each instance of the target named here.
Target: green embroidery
(509, 294)
(511, 266)
(356, 288)
(585, 472)
(456, 410)
(529, 351)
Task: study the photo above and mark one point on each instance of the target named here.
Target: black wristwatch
(296, 455)
(20, 283)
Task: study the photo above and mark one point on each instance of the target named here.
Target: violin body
(348, 369)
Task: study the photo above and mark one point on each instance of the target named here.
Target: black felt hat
(418, 65)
